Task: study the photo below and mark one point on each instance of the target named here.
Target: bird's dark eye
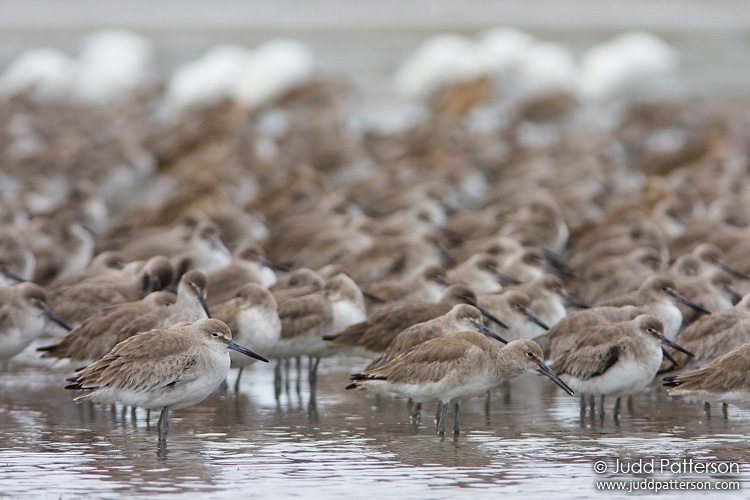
(650, 330)
(518, 306)
(530, 354)
(215, 334)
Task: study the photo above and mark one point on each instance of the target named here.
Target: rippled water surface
(528, 438)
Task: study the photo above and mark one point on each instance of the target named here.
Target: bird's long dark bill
(736, 296)
(53, 317)
(556, 262)
(691, 304)
(483, 329)
(734, 272)
(669, 356)
(244, 350)
(490, 316)
(673, 345)
(547, 372)
(217, 244)
(535, 319)
(575, 302)
(15, 277)
(275, 267)
(372, 297)
(204, 304)
(506, 279)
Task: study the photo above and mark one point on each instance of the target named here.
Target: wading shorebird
(23, 316)
(723, 380)
(89, 341)
(613, 359)
(450, 369)
(167, 369)
(716, 334)
(97, 335)
(372, 337)
(252, 316)
(514, 307)
(248, 265)
(461, 318)
(657, 295)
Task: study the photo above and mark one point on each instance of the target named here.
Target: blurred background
(369, 39)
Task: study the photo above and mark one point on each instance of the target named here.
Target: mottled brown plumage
(723, 380)
(716, 334)
(376, 333)
(97, 335)
(462, 317)
(190, 306)
(449, 369)
(82, 300)
(248, 265)
(560, 337)
(300, 282)
(163, 368)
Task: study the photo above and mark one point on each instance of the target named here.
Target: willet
(306, 320)
(461, 318)
(526, 266)
(548, 298)
(713, 290)
(716, 334)
(253, 318)
(428, 286)
(248, 265)
(373, 336)
(608, 277)
(300, 282)
(167, 369)
(189, 306)
(449, 369)
(92, 340)
(565, 334)
(77, 302)
(514, 307)
(200, 244)
(722, 380)
(618, 240)
(480, 271)
(539, 220)
(60, 249)
(97, 335)
(395, 257)
(657, 295)
(106, 262)
(18, 261)
(24, 313)
(614, 359)
(712, 256)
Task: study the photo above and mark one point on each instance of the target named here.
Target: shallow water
(529, 439)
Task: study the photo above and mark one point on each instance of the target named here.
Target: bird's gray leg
(239, 376)
(441, 422)
(616, 409)
(162, 424)
(456, 427)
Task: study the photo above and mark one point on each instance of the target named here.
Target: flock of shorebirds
(456, 252)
